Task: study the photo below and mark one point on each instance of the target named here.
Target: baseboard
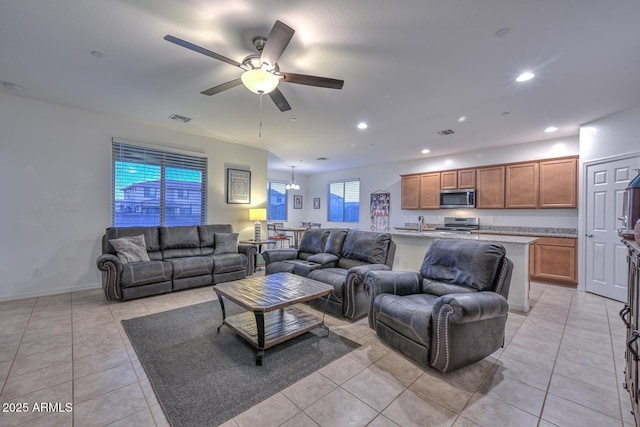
(49, 292)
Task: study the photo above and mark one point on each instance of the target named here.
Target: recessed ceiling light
(362, 125)
(293, 119)
(527, 75)
(462, 119)
(551, 129)
(425, 151)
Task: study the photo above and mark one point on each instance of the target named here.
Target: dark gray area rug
(202, 378)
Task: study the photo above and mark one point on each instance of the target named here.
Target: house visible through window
(344, 201)
(154, 187)
(276, 201)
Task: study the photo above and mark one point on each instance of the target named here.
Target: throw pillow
(226, 243)
(130, 249)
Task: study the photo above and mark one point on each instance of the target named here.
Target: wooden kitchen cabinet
(467, 178)
(559, 183)
(410, 192)
(554, 259)
(521, 186)
(430, 190)
(490, 187)
(449, 180)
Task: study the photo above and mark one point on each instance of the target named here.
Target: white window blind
(276, 201)
(156, 187)
(344, 201)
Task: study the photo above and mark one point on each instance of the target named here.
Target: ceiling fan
(261, 73)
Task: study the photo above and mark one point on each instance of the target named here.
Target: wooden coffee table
(271, 319)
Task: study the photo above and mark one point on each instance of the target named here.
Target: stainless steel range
(460, 225)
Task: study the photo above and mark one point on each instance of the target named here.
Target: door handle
(623, 313)
(634, 336)
(589, 235)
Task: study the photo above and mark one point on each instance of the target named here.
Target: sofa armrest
(111, 268)
(390, 282)
(356, 296)
(250, 251)
(470, 307)
(277, 255)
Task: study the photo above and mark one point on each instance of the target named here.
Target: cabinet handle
(634, 336)
(626, 310)
(589, 235)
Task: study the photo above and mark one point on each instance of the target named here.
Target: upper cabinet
(490, 187)
(458, 179)
(410, 188)
(430, 190)
(550, 183)
(559, 183)
(521, 190)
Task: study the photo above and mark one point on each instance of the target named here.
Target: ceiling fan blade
(222, 87)
(278, 98)
(201, 50)
(303, 79)
(276, 43)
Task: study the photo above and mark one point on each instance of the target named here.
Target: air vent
(180, 118)
(445, 132)
(322, 158)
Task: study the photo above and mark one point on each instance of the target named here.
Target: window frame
(344, 183)
(286, 200)
(174, 168)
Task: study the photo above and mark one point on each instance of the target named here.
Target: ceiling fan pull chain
(260, 128)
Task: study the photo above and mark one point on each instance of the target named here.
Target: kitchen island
(412, 246)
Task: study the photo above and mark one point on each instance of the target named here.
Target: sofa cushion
(191, 266)
(408, 315)
(313, 240)
(208, 234)
(335, 277)
(325, 259)
(366, 246)
(226, 263)
(435, 287)
(335, 241)
(151, 239)
(226, 243)
(143, 273)
(471, 264)
(180, 241)
(130, 249)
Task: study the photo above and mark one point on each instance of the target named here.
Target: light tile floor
(562, 365)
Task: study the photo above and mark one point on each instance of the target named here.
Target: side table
(258, 243)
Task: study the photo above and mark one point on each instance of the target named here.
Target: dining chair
(278, 236)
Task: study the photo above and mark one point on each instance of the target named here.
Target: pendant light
(292, 184)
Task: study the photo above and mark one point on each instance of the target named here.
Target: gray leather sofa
(179, 257)
(339, 257)
(450, 314)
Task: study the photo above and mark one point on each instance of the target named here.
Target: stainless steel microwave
(454, 199)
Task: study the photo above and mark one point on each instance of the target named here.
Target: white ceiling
(411, 68)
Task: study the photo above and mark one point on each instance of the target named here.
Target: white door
(606, 256)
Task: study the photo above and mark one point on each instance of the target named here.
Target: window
(154, 187)
(276, 201)
(344, 201)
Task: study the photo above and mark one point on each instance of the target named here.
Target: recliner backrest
(151, 239)
(465, 263)
(312, 242)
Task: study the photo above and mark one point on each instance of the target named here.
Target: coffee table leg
(224, 314)
(260, 326)
(326, 303)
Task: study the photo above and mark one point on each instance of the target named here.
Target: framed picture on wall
(297, 202)
(238, 186)
(316, 203)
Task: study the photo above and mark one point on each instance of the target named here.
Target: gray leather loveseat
(167, 259)
(450, 314)
(339, 257)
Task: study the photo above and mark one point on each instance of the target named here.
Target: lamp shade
(259, 81)
(258, 214)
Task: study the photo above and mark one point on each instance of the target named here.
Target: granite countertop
(513, 231)
(519, 240)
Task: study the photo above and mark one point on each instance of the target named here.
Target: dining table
(297, 233)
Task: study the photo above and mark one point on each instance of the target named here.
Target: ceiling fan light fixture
(292, 184)
(259, 81)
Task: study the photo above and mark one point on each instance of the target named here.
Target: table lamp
(257, 215)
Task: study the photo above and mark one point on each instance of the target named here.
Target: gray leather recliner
(450, 314)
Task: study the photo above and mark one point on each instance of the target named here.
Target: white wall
(606, 138)
(387, 178)
(55, 169)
